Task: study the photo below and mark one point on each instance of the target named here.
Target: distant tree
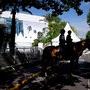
(56, 6)
(55, 24)
(88, 21)
(88, 35)
(88, 18)
(35, 43)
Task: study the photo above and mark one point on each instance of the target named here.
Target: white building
(32, 24)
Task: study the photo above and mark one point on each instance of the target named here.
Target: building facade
(28, 27)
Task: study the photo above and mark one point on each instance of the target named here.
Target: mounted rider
(69, 43)
(62, 41)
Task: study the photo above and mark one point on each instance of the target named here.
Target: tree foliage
(88, 18)
(55, 24)
(88, 21)
(88, 35)
(2, 34)
(57, 6)
(35, 43)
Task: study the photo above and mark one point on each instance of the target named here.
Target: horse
(51, 54)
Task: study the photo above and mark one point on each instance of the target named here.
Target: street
(28, 77)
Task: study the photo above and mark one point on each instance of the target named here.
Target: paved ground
(83, 82)
(80, 80)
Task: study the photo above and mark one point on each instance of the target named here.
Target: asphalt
(83, 76)
(79, 80)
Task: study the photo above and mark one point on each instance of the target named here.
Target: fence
(22, 56)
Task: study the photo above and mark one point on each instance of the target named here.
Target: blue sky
(79, 22)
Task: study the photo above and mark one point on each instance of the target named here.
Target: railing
(22, 56)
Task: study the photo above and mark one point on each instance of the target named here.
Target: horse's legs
(44, 66)
(77, 61)
(76, 64)
(72, 64)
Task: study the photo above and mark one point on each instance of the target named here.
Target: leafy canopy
(88, 18)
(88, 21)
(56, 6)
(88, 35)
(55, 24)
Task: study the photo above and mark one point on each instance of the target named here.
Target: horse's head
(88, 43)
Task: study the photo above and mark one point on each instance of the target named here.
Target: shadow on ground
(55, 79)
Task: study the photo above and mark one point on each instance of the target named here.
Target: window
(34, 31)
(29, 28)
(45, 29)
(40, 34)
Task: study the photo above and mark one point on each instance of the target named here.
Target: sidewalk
(83, 84)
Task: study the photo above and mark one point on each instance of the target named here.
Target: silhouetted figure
(69, 43)
(62, 41)
(69, 50)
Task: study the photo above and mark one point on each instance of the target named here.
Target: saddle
(65, 52)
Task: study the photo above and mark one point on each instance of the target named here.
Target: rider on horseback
(62, 41)
(69, 43)
(65, 45)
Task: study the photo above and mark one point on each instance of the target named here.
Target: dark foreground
(28, 77)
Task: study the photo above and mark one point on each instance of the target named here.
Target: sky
(78, 22)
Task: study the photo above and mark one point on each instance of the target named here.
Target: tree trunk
(51, 42)
(13, 31)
